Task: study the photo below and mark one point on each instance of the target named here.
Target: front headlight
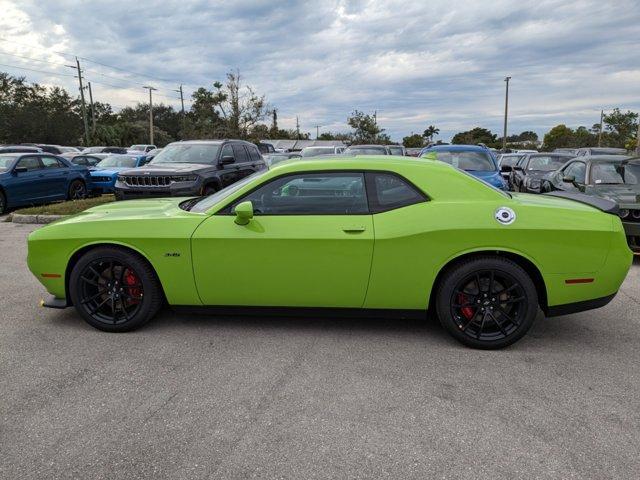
(184, 178)
(532, 183)
(623, 213)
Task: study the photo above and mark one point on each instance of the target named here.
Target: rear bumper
(576, 307)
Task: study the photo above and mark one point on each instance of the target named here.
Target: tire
(487, 302)
(77, 190)
(3, 203)
(115, 290)
(209, 190)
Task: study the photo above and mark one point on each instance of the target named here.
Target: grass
(66, 208)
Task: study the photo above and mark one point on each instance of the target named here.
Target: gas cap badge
(505, 215)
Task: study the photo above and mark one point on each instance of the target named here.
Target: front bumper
(53, 302)
(632, 231)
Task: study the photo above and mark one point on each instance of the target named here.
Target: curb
(40, 219)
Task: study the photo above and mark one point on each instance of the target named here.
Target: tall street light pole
(151, 89)
(82, 102)
(317, 131)
(181, 98)
(506, 113)
(600, 129)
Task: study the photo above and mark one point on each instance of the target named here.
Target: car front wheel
(3, 203)
(114, 290)
(77, 190)
(487, 302)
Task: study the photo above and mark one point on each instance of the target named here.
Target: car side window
(30, 163)
(51, 162)
(240, 153)
(578, 170)
(388, 191)
(227, 151)
(339, 193)
(254, 154)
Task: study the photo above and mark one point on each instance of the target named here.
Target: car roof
(605, 158)
(546, 154)
(459, 148)
(367, 146)
(209, 142)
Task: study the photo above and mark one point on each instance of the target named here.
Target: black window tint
(388, 191)
(227, 151)
(30, 163)
(51, 162)
(254, 154)
(80, 161)
(240, 153)
(311, 194)
(578, 170)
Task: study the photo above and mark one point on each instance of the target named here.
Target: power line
(39, 71)
(33, 59)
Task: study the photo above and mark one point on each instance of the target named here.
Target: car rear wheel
(115, 290)
(487, 302)
(77, 190)
(3, 203)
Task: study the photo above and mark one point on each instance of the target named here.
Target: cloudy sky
(417, 63)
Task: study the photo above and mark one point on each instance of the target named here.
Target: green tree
(366, 129)
(429, 133)
(474, 136)
(413, 141)
(620, 127)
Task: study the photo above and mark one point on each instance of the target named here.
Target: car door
(27, 185)
(229, 172)
(309, 244)
(243, 161)
(56, 177)
(257, 162)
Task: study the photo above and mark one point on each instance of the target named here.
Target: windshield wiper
(189, 204)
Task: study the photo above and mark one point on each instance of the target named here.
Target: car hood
(164, 168)
(107, 171)
(539, 174)
(621, 194)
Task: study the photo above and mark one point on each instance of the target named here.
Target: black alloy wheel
(114, 290)
(77, 190)
(488, 302)
(3, 203)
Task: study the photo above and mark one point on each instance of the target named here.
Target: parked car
(413, 152)
(444, 240)
(266, 148)
(35, 178)
(197, 167)
(610, 177)
(581, 152)
(397, 150)
(151, 154)
(309, 152)
(119, 150)
(506, 161)
(19, 149)
(566, 150)
(368, 150)
(104, 175)
(54, 149)
(476, 160)
(88, 160)
(530, 171)
(142, 148)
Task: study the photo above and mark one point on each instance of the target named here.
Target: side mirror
(227, 159)
(20, 170)
(506, 168)
(569, 179)
(517, 167)
(244, 213)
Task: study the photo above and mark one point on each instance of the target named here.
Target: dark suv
(190, 168)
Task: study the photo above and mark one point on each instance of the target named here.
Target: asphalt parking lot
(216, 397)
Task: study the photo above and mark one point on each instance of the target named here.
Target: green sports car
(366, 235)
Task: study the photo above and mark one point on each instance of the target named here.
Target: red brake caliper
(466, 311)
(130, 278)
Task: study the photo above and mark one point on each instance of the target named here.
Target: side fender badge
(505, 215)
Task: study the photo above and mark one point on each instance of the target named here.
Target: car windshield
(546, 163)
(6, 161)
(188, 153)
(509, 160)
(316, 151)
(475, 161)
(207, 202)
(138, 147)
(615, 173)
(395, 150)
(368, 150)
(120, 161)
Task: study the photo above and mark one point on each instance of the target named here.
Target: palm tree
(430, 132)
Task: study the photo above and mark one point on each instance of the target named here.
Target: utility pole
(93, 112)
(317, 131)
(506, 113)
(297, 128)
(181, 98)
(638, 140)
(151, 89)
(82, 103)
(600, 129)
(375, 117)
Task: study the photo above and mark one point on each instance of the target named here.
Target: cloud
(415, 63)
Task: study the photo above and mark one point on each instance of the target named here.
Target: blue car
(105, 173)
(36, 178)
(479, 161)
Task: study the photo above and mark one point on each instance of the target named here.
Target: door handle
(354, 229)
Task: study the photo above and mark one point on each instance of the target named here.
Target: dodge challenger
(366, 235)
